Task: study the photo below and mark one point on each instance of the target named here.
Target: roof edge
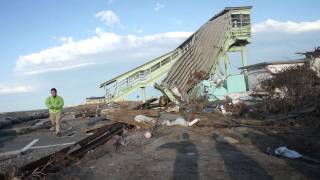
(273, 63)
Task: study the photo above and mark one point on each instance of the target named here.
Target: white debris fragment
(179, 121)
(147, 135)
(143, 118)
(194, 121)
(223, 110)
(173, 109)
(285, 152)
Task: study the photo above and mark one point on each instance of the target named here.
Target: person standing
(55, 104)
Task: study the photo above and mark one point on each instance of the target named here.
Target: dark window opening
(240, 20)
(155, 67)
(165, 61)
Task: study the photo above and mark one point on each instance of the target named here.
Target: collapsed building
(196, 62)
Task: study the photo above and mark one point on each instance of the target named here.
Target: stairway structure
(139, 78)
(203, 51)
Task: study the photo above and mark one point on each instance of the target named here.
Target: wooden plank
(146, 104)
(66, 155)
(95, 128)
(151, 112)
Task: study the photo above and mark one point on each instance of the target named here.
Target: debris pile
(292, 89)
(313, 60)
(53, 162)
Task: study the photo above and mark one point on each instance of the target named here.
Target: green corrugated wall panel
(220, 92)
(236, 83)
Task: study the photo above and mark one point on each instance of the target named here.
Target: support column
(143, 93)
(244, 56)
(226, 64)
(244, 63)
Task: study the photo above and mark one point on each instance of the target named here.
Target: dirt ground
(184, 152)
(189, 153)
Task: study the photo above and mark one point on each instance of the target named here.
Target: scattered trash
(285, 152)
(223, 110)
(179, 121)
(147, 135)
(173, 109)
(194, 122)
(129, 117)
(143, 118)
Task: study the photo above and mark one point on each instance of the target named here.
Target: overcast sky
(74, 45)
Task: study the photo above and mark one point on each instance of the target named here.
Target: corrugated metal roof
(206, 44)
(227, 9)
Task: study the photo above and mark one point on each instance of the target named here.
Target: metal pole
(143, 94)
(244, 56)
(244, 63)
(226, 64)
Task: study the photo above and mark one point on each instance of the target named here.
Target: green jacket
(54, 104)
